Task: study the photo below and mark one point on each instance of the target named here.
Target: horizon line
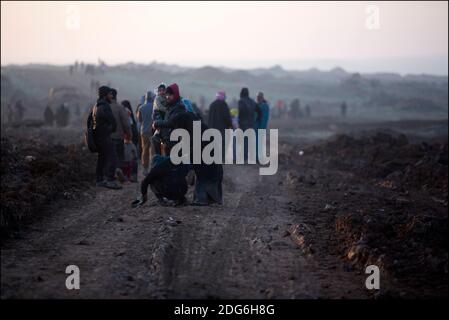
(217, 66)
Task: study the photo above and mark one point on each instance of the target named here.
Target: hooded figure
(104, 125)
(174, 106)
(247, 110)
(247, 117)
(220, 117)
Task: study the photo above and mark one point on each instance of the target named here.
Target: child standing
(130, 159)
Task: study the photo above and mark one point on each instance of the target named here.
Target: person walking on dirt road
(220, 118)
(263, 115)
(247, 116)
(135, 135)
(104, 125)
(123, 128)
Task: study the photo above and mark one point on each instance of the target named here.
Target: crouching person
(166, 180)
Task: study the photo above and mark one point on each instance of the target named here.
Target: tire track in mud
(243, 249)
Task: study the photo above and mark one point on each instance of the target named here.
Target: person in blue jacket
(263, 115)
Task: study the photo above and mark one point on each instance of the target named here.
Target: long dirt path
(247, 248)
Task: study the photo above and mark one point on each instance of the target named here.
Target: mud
(35, 173)
(307, 232)
(386, 204)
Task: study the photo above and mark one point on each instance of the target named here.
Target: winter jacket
(159, 108)
(166, 179)
(219, 116)
(122, 120)
(145, 115)
(247, 113)
(263, 116)
(172, 110)
(103, 119)
(209, 176)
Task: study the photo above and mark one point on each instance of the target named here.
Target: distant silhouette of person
(295, 109)
(62, 116)
(19, 110)
(10, 113)
(343, 109)
(220, 118)
(247, 117)
(308, 111)
(49, 116)
(263, 116)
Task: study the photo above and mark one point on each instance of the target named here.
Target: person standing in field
(247, 117)
(159, 112)
(145, 117)
(135, 136)
(263, 115)
(220, 118)
(49, 116)
(123, 128)
(103, 125)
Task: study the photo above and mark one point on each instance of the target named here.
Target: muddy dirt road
(274, 237)
(240, 250)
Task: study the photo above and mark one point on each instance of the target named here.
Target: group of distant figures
(123, 138)
(16, 113)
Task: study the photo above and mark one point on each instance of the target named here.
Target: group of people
(61, 116)
(122, 139)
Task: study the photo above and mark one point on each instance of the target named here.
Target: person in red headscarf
(174, 106)
(208, 186)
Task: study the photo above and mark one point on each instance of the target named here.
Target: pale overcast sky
(406, 37)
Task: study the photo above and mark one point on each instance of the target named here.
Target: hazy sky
(407, 37)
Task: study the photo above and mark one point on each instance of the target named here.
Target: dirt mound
(392, 204)
(34, 173)
(392, 160)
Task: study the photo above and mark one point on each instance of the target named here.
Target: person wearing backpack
(103, 125)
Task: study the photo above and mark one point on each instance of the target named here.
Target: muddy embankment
(36, 173)
(384, 201)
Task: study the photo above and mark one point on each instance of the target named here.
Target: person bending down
(166, 180)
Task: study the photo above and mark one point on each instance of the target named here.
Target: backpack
(89, 134)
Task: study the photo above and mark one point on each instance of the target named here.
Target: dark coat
(172, 112)
(247, 113)
(166, 179)
(209, 176)
(219, 116)
(103, 119)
